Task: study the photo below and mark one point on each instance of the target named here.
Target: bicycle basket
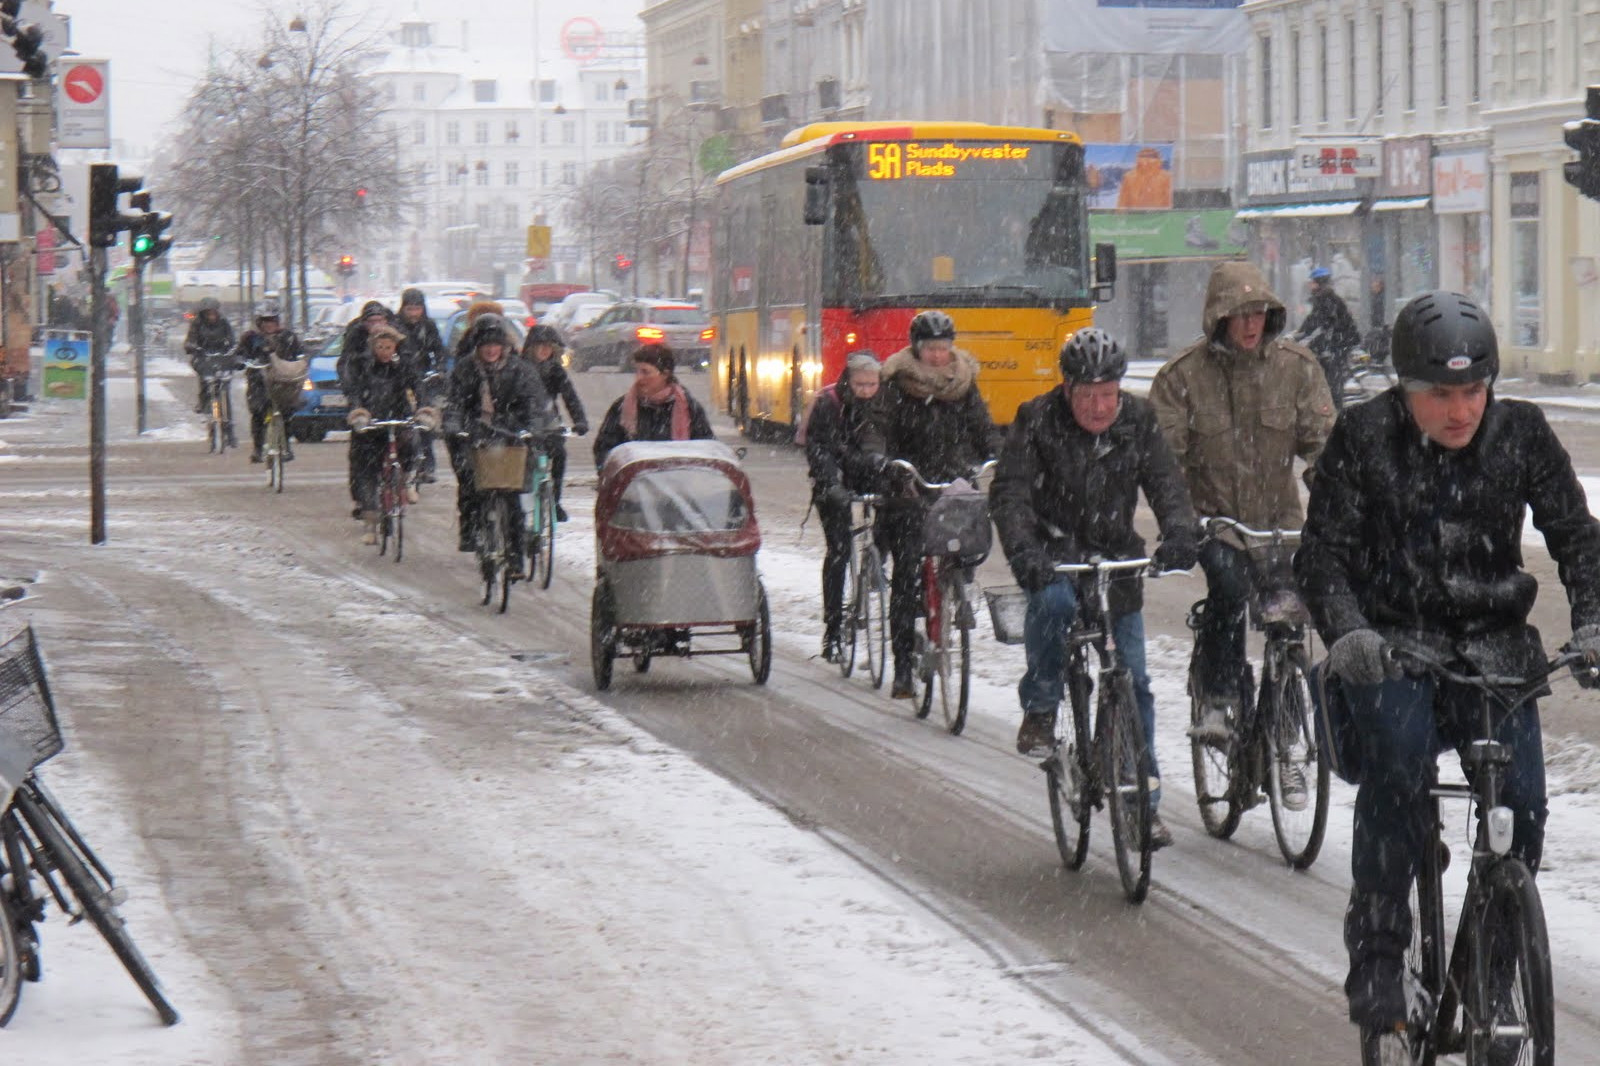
(26, 709)
(286, 371)
(1008, 612)
(958, 526)
(499, 466)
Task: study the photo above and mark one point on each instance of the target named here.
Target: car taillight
(530, 321)
(650, 333)
(709, 334)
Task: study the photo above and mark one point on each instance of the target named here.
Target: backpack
(802, 431)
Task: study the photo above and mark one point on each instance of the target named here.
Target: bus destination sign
(898, 160)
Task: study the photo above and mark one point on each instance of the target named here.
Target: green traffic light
(143, 244)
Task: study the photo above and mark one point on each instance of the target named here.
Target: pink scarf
(680, 412)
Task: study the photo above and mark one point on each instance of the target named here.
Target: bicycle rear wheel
(276, 447)
(543, 552)
(55, 838)
(850, 615)
(1067, 770)
(1428, 997)
(1215, 762)
(1511, 1016)
(502, 539)
(1293, 752)
(218, 434)
(491, 551)
(874, 608)
(10, 962)
(1126, 774)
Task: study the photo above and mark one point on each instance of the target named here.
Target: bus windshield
(957, 223)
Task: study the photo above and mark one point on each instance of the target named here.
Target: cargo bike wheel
(757, 639)
(602, 636)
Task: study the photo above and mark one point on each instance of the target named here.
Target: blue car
(323, 405)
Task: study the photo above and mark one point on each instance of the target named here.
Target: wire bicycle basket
(27, 710)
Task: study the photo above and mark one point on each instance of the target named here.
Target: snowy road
(366, 821)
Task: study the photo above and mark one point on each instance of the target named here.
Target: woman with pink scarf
(656, 408)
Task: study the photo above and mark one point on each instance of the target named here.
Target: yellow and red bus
(834, 241)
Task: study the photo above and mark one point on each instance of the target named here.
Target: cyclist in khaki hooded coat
(1238, 407)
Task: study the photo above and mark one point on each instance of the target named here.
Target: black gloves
(1586, 639)
(580, 429)
(834, 494)
(1358, 658)
(1177, 553)
(1033, 570)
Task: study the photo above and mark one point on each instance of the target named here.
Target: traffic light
(347, 265)
(1584, 136)
(620, 265)
(106, 219)
(27, 39)
(361, 197)
(148, 243)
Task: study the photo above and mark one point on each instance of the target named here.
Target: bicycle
(275, 446)
(1364, 376)
(539, 517)
(866, 614)
(38, 842)
(1110, 768)
(1272, 741)
(499, 473)
(393, 483)
(944, 649)
(217, 381)
(1466, 1003)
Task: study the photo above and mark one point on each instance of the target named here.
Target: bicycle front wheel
(1430, 1000)
(94, 895)
(955, 653)
(874, 609)
(1126, 773)
(1067, 769)
(10, 963)
(276, 448)
(1215, 759)
(219, 436)
(543, 551)
(1297, 769)
(850, 613)
(1511, 1016)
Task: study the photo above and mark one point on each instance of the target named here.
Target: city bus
(831, 243)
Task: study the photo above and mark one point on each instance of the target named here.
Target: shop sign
(1342, 158)
(1406, 170)
(1271, 177)
(1461, 182)
(1169, 234)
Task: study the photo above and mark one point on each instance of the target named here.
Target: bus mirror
(1105, 272)
(816, 195)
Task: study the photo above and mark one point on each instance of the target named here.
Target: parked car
(577, 311)
(323, 407)
(683, 327)
(328, 321)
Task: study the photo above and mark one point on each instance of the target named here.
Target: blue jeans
(1402, 733)
(1050, 614)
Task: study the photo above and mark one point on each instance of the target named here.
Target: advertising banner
(1129, 176)
(66, 364)
(1344, 159)
(1170, 234)
(1186, 27)
(1461, 182)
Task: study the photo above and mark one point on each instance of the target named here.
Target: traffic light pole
(136, 328)
(99, 343)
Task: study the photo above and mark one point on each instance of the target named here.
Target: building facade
(492, 148)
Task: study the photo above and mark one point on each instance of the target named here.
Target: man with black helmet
(542, 349)
(1065, 489)
(259, 345)
(1413, 536)
(931, 415)
(493, 395)
(421, 349)
(1238, 408)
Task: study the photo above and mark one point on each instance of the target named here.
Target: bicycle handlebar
(1491, 683)
(935, 486)
(386, 423)
(1103, 564)
(1211, 522)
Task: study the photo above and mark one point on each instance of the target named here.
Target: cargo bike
(675, 554)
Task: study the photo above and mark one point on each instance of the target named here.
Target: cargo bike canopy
(672, 498)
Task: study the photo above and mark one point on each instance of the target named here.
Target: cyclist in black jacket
(388, 390)
(542, 349)
(209, 334)
(423, 349)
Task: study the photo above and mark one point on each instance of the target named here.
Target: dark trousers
(469, 501)
(367, 451)
(556, 449)
(834, 516)
(1402, 733)
(1335, 367)
(1220, 635)
(902, 526)
(255, 397)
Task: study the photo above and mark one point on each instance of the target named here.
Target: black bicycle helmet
(211, 303)
(542, 334)
(931, 326)
(1092, 355)
(488, 328)
(1443, 338)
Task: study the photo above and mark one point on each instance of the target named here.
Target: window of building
(544, 133)
(480, 173)
(599, 92)
(1377, 66)
(419, 92)
(480, 133)
(513, 175)
(1266, 82)
(619, 91)
(1410, 60)
(1474, 51)
(1350, 82)
(619, 133)
(453, 173)
(452, 214)
(513, 134)
(1442, 62)
(569, 132)
(509, 213)
(545, 90)
(452, 133)
(1527, 313)
(482, 216)
(415, 35)
(602, 132)
(1294, 77)
(419, 133)
(569, 173)
(483, 92)
(1322, 73)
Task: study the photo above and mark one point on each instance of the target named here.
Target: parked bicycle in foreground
(957, 522)
(1492, 995)
(39, 846)
(866, 611)
(1269, 748)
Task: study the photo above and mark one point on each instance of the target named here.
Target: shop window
(1527, 308)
